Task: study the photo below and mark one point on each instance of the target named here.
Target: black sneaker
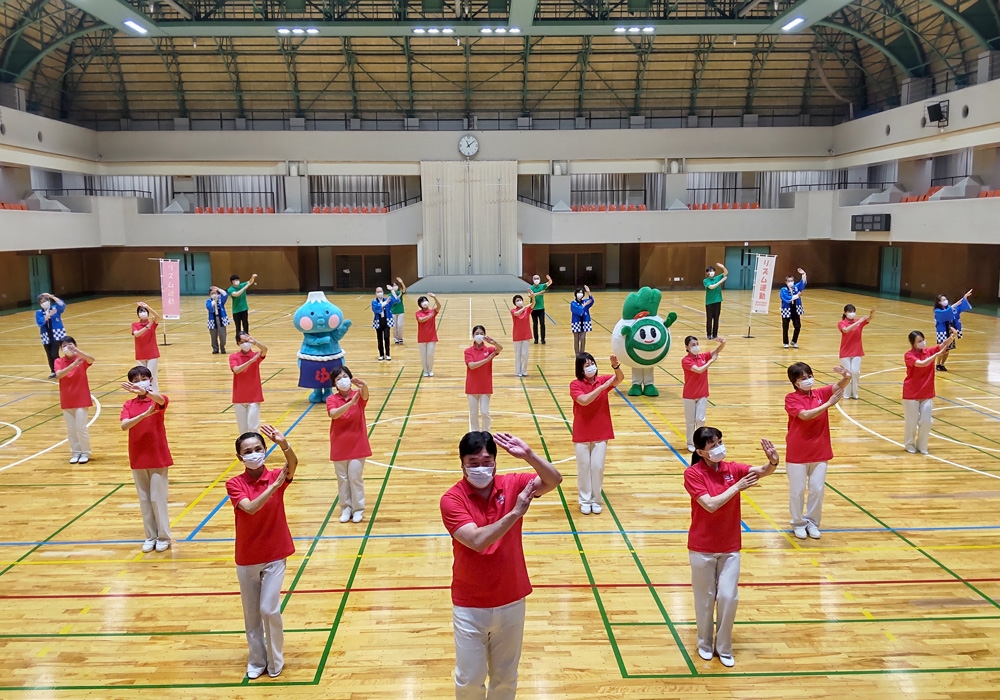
(941, 368)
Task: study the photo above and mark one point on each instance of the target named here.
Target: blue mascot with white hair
(322, 325)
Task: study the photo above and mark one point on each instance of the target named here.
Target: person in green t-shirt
(713, 299)
(238, 293)
(538, 313)
(397, 291)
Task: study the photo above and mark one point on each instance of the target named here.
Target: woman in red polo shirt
(521, 332)
(248, 391)
(479, 377)
(807, 444)
(851, 351)
(714, 540)
(592, 427)
(74, 397)
(148, 455)
(695, 365)
(349, 445)
(147, 352)
(918, 389)
(427, 335)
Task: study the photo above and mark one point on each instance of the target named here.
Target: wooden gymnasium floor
(900, 598)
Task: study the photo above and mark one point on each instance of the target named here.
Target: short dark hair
(702, 436)
(710, 268)
(247, 436)
(41, 298)
(140, 309)
(688, 339)
(578, 290)
(67, 339)
(847, 309)
(139, 372)
(241, 334)
(798, 370)
(472, 443)
(478, 328)
(581, 360)
(937, 302)
(233, 278)
(914, 335)
(421, 300)
(343, 370)
(516, 297)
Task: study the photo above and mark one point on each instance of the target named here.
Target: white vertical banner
(170, 276)
(763, 278)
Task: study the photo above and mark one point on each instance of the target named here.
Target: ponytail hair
(702, 436)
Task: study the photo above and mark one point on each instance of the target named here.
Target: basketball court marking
(17, 433)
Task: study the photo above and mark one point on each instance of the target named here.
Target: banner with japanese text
(170, 292)
(763, 278)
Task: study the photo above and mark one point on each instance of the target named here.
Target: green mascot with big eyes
(642, 339)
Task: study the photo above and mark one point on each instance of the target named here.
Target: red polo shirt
(718, 532)
(480, 380)
(74, 389)
(246, 385)
(145, 344)
(591, 423)
(695, 384)
(808, 441)
(427, 331)
(850, 342)
(919, 382)
(147, 439)
(497, 575)
(264, 536)
(349, 433)
(522, 323)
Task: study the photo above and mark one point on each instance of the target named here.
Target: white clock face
(468, 145)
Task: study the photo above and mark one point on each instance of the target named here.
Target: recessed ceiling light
(283, 30)
(514, 30)
(298, 30)
(649, 30)
(419, 30)
(619, 30)
(312, 30)
(135, 26)
(793, 24)
(485, 30)
(433, 30)
(633, 30)
(447, 30)
(500, 30)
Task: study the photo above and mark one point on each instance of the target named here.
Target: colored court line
(497, 308)
(837, 621)
(670, 425)
(651, 427)
(227, 408)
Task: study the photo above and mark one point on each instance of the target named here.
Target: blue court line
(974, 410)
(745, 527)
(15, 400)
(652, 427)
(551, 320)
(221, 503)
(428, 535)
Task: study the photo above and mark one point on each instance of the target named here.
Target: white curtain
(240, 191)
(656, 194)
(356, 190)
(598, 189)
(470, 217)
(883, 174)
(709, 188)
(159, 188)
(948, 168)
(773, 183)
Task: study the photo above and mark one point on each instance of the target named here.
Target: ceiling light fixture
(135, 26)
(312, 30)
(419, 30)
(619, 30)
(514, 30)
(298, 30)
(447, 30)
(433, 30)
(500, 30)
(793, 24)
(633, 30)
(283, 31)
(485, 30)
(648, 30)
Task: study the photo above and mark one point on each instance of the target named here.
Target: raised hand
(524, 499)
(871, 314)
(360, 383)
(512, 445)
(133, 388)
(274, 435)
(842, 371)
(769, 450)
(801, 271)
(614, 361)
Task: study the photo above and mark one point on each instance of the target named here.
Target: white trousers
(247, 417)
(397, 330)
(812, 475)
(714, 580)
(479, 412)
(151, 365)
(590, 470)
(427, 355)
(487, 643)
(151, 485)
(694, 418)
(918, 416)
(76, 430)
(351, 484)
(260, 592)
(643, 376)
(853, 365)
(521, 358)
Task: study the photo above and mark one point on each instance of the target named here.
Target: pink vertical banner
(170, 276)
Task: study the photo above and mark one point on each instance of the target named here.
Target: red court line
(557, 586)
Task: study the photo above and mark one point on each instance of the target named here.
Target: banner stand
(763, 279)
(171, 305)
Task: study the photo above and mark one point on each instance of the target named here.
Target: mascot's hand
(669, 320)
(626, 332)
(346, 324)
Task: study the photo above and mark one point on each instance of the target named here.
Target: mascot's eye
(642, 334)
(652, 333)
(312, 313)
(327, 313)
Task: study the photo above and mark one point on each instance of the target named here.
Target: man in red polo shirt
(263, 542)
(490, 582)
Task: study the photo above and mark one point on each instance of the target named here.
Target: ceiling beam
(230, 59)
(762, 48)
(57, 43)
(288, 51)
(874, 43)
(171, 62)
(643, 50)
(583, 61)
(350, 60)
(522, 13)
(957, 17)
(525, 55)
(701, 54)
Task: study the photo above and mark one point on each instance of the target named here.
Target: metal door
(350, 272)
(196, 273)
(590, 270)
(562, 268)
(741, 262)
(891, 269)
(39, 275)
(378, 271)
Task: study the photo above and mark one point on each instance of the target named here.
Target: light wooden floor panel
(900, 598)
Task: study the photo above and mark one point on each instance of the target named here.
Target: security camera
(829, 151)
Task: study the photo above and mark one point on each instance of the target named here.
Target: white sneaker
(345, 516)
(786, 345)
(912, 450)
(162, 545)
(358, 514)
(585, 508)
(727, 661)
(381, 358)
(430, 374)
(690, 448)
(812, 531)
(388, 359)
(707, 655)
(427, 374)
(74, 459)
(923, 452)
(84, 459)
(800, 532)
(256, 673)
(148, 545)
(596, 508)
(794, 345)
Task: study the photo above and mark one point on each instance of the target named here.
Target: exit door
(40, 279)
(196, 273)
(891, 267)
(741, 262)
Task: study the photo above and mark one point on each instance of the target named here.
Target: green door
(741, 263)
(891, 268)
(39, 276)
(196, 273)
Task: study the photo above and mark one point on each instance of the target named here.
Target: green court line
(149, 686)
(364, 542)
(635, 555)
(80, 515)
(441, 315)
(262, 384)
(150, 633)
(692, 623)
(579, 545)
(808, 674)
(497, 309)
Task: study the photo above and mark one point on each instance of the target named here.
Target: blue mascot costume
(320, 358)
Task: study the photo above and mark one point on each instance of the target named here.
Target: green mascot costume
(642, 339)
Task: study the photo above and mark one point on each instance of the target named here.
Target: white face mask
(424, 304)
(236, 283)
(590, 370)
(789, 284)
(379, 294)
(851, 314)
(46, 305)
(579, 296)
(254, 460)
(694, 349)
(711, 274)
(479, 337)
(245, 347)
(806, 384)
(536, 281)
(479, 477)
(717, 453)
(519, 303)
(215, 298)
(921, 344)
(944, 303)
(344, 383)
(143, 314)
(144, 384)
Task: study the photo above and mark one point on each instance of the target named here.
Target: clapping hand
(801, 271)
(274, 435)
(525, 498)
(133, 388)
(842, 371)
(360, 383)
(747, 481)
(769, 450)
(513, 445)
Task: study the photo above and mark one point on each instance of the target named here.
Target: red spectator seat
(715, 205)
(632, 207)
(754, 205)
(230, 210)
(385, 210)
(199, 210)
(612, 207)
(270, 210)
(984, 193)
(745, 205)
(602, 207)
(364, 210)
(240, 210)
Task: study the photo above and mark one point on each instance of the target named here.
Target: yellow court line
(889, 635)
(789, 538)
(215, 483)
(652, 408)
(864, 611)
